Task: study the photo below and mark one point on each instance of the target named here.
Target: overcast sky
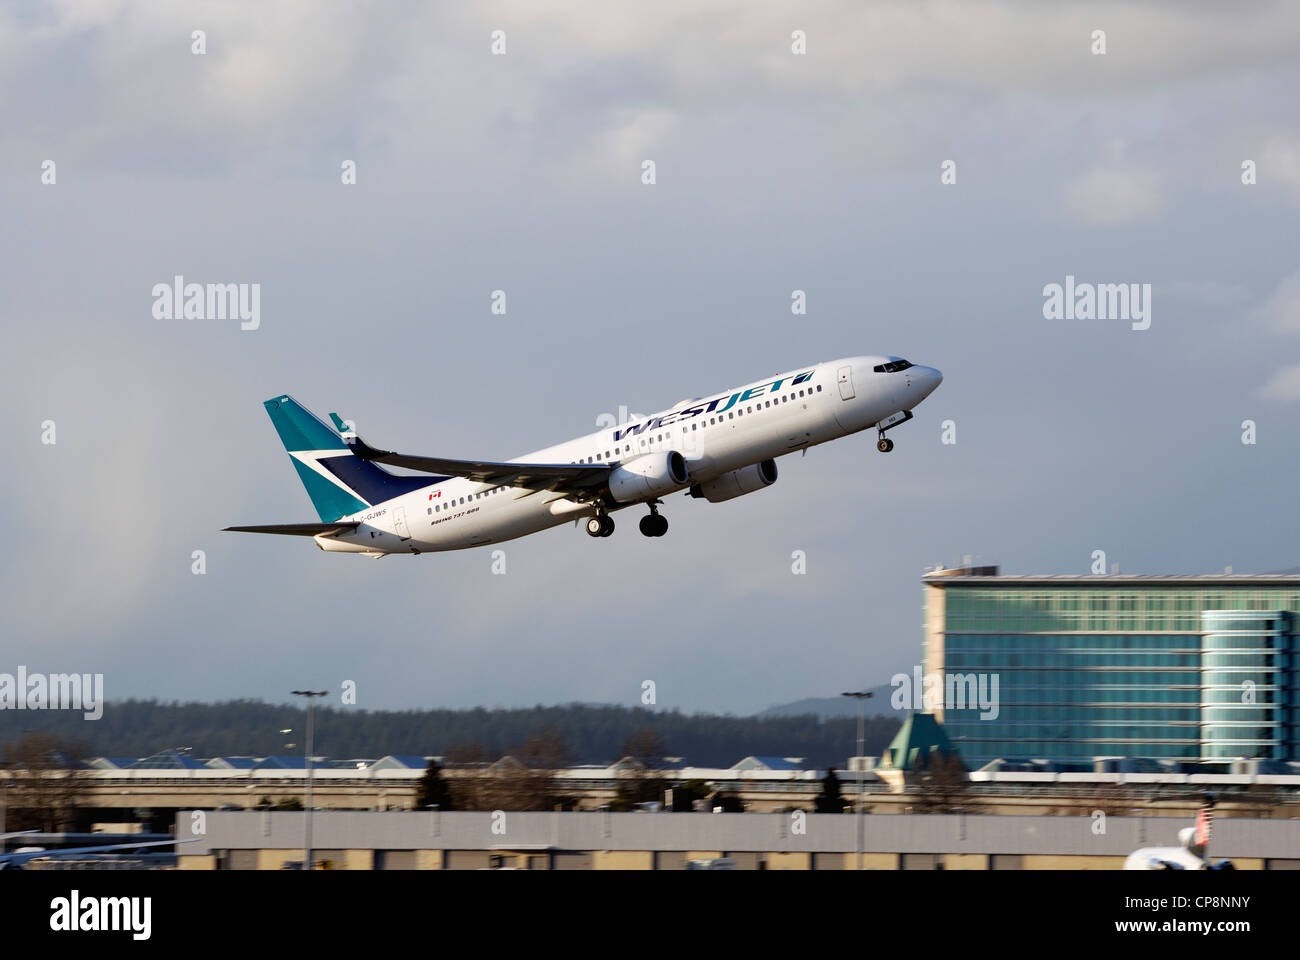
(522, 172)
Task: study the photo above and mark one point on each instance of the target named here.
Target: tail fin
(338, 483)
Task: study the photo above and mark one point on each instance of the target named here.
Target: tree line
(590, 733)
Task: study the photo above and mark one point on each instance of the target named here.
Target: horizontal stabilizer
(299, 529)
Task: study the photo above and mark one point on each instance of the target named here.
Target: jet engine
(737, 483)
(650, 475)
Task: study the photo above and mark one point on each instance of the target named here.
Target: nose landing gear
(883, 443)
(654, 524)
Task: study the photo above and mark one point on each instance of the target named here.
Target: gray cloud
(521, 173)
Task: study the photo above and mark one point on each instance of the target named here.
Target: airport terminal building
(1181, 668)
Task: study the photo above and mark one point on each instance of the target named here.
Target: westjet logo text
(753, 393)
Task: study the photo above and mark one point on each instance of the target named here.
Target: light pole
(310, 695)
(861, 696)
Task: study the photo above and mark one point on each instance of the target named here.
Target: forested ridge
(592, 733)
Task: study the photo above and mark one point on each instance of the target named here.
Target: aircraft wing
(12, 860)
(299, 529)
(576, 479)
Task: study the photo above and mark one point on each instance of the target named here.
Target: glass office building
(1192, 668)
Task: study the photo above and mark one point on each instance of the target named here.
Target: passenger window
(429, 510)
(693, 427)
(819, 388)
(731, 416)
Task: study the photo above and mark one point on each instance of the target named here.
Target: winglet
(364, 450)
(342, 425)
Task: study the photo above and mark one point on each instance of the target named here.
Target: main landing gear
(601, 525)
(654, 524)
(884, 444)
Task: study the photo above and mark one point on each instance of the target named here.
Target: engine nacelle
(651, 475)
(737, 483)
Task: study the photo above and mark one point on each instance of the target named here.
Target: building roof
(168, 760)
(920, 736)
(950, 578)
(401, 761)
(283, 763)
(233, 763)
(770, 763)
(110, 763)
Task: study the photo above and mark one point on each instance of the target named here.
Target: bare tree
(644, 745)
(543, 754)
(642, 781)
(522, 780)
(49, 782)
(940, 785)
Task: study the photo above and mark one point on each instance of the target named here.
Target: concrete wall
(666, 840)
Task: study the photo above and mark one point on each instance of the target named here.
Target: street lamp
(861, 696)
(310, 695)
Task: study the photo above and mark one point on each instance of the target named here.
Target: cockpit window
(892, 366)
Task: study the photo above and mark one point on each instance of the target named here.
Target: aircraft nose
(929, 379)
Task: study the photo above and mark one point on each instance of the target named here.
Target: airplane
(1191, 854)
(714, 448)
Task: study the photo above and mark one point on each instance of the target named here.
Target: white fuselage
(716, 434)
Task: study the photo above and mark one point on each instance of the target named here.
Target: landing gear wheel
(606, 525)
(884, 444)
(595, 527)
(654, 525)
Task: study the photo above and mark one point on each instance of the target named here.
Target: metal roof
(1116, 579)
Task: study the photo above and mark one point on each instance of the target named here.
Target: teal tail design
(304, 434)
(339, 483)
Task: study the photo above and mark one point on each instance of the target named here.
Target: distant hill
(592, 733)
(825, 708)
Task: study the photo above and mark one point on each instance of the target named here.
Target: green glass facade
(1168, 668)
